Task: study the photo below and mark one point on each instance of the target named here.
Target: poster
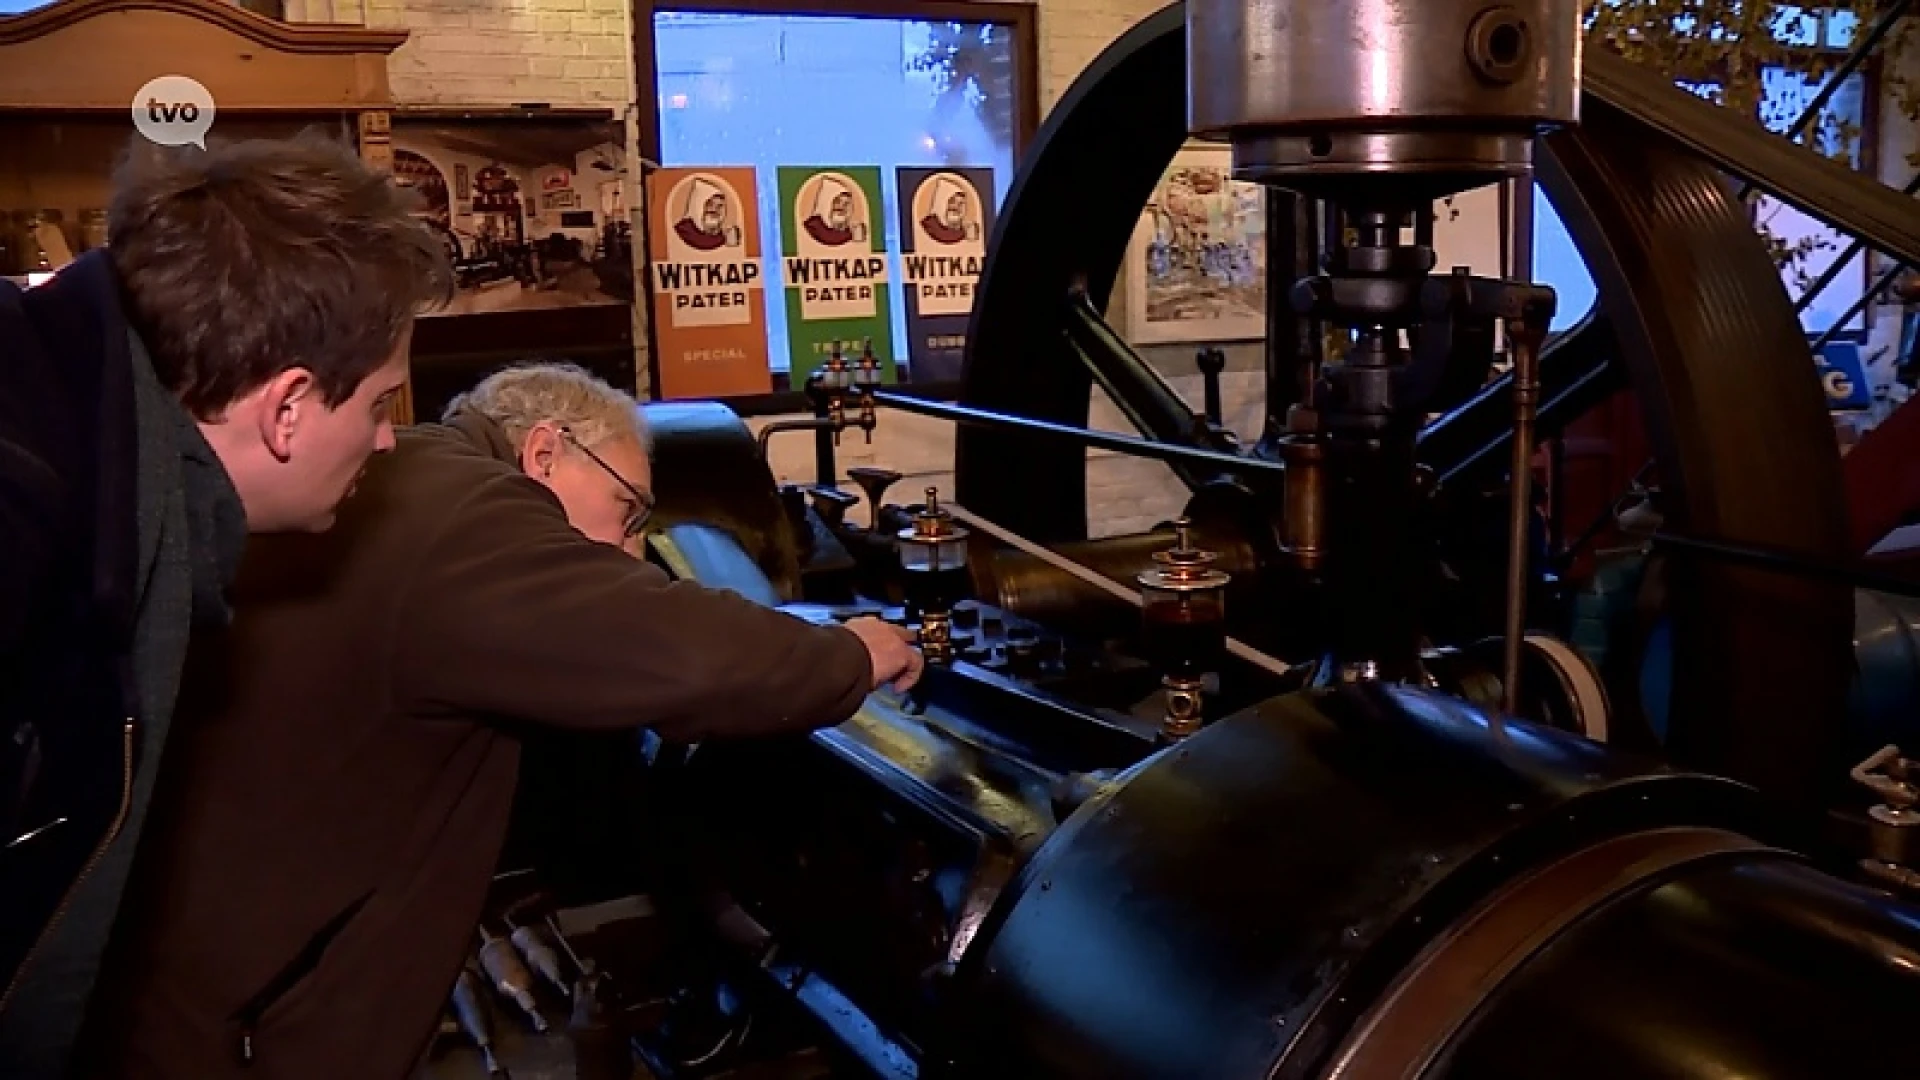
(709, 287)
(946, 216)
(833, 241)
(1467, 231)
(1196, 270)
(533, 215)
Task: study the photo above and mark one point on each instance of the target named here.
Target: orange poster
(709, 282)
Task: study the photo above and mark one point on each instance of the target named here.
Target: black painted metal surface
(1232, 908)
(707, 469)
(1753, 966)
(1746, 449)
(1066, 224)
(871, 853)
(1702, 324)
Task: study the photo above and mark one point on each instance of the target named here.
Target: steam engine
(1271, 801)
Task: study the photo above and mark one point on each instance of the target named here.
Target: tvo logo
(173, 110)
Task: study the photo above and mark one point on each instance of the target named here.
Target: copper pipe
(1306, 499)
(1112, 588)
(1526, 393)
(812, 423)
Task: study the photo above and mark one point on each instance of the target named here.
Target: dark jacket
(341, 775)
(116, 520)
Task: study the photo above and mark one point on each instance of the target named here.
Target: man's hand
(894, 660)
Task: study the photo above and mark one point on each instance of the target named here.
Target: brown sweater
(332, 806)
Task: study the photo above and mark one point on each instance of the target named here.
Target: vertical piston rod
(1527, 338)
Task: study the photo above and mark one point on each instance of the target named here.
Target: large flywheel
(1691, 311)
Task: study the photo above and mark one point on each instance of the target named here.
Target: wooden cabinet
(70, 72)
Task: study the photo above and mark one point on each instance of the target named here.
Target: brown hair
(249, 258)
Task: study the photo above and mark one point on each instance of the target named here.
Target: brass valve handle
(1887, 775)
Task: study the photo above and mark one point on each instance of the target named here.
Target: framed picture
(1196, 269)
(506, 198)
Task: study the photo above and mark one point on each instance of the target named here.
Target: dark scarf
(191, 528)
(216, 525)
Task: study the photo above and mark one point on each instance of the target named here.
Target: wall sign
(946, 216)
(709, 292)
(834, 267)
(1843, 375)
(1197, 267)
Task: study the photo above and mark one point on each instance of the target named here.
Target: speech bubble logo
(174, 110)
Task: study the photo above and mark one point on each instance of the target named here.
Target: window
(1840, 131)
(772, 89)
(1556, 262)
(1837, 133)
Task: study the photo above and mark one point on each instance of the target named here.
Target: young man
(223, 367)
(340, 785)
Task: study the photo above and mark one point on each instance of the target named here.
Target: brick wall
(1072, 33)
(498, 52)
(562, 53)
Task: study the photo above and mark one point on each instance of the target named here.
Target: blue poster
(946, 216)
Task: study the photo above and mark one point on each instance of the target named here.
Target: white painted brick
(610, 47)
(560, 45)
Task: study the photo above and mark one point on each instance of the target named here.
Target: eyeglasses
(644, 501)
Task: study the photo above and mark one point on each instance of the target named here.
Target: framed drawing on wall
(1196, 269)
(520, 205)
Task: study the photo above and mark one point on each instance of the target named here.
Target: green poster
(833, 246)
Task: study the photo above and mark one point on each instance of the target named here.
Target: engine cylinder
(1378, 882)
(1432, 96)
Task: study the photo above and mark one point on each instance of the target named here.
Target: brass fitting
(1184, 708)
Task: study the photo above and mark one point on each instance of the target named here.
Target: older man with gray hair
(336, 800)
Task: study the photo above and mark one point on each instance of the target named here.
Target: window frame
(1020, 17)
(1799, 60)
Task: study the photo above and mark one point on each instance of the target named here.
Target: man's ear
(538, 450)
(279, 406)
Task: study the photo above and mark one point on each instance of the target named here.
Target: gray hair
(522, 398)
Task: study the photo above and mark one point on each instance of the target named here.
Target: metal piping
(1148, 401)
(1125, 444)
(1100, 581)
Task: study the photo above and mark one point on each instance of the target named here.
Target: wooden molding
(261, 30)
(85, 56)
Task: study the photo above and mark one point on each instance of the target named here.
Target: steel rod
(1860, 305)
(1838, 265)
(1526, 392)
(1148, 400)
(1124, 444)
(1100, 581)
(1792, 563)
